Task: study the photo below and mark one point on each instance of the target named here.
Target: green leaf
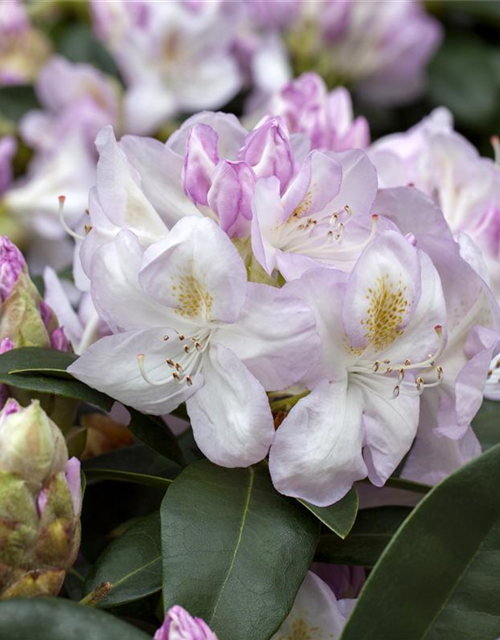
(132, 564)
(235, 551)
(486, 424)
(37, 360)
(59, 619)
(155, 433)
(340, 516)
(129, 476)
(15, 101)
(438, 577)
(372, 532)
(138, 457)
(44, 371)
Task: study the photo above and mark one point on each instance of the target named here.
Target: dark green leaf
(370, 535)
(59, 619)
(486, 424)
(138, 457)
(155, 433)
(235, 551)
(128, 476)
(16, 101)
(132, 564)
(59, 387)
(37, 360)
(44, 371)
(340, 516)
(438, 577)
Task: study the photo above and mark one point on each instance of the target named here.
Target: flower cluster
(345, 290)
(262, 327)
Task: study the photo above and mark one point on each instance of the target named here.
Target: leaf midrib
(238, 543)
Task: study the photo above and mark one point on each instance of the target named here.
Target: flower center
(320, 237)
(365, 370)
(194, 299)
(186, 363)
(386, 312)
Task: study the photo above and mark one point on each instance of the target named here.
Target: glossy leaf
(60, 619)
(138, 457)
(438, 577)
(37, 360)
(235, 551)
(132, 564)
(44, 371)
(372, 532)
(339, 517)
(155, 433)
(129, 476)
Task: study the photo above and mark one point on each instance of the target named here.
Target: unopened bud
(40, 501)
(12, 264)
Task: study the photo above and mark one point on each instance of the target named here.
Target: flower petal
(116, 292)
(275, 336)
(111, 366)
(382, 293)
(230, 414)
(316, 454)
(206, 276)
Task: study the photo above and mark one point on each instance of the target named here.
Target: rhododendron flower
(322, 219)
(378, 48)
(315, 613)
(382, 331)
(448, 168)
(192, 329)
(23, 49)
(174, 57)
(78, 100)
(445, 439)
(179, 625)
(443, 164)
(325, 118)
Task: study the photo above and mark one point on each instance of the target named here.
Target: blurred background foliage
(464, 75)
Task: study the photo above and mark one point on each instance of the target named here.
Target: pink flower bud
(58, 340)
(179, 625)
(267, 150)
(12, 264)
(199, 162)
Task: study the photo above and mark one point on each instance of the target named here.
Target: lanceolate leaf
(37, 359)
(132, 564)
(44, 371)
(438, 577)
(372, 532)
(340, 516)
(235, 551)
(60, 619)
(129, 476)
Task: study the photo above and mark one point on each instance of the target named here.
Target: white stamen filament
(420, 384)
(69, 231)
